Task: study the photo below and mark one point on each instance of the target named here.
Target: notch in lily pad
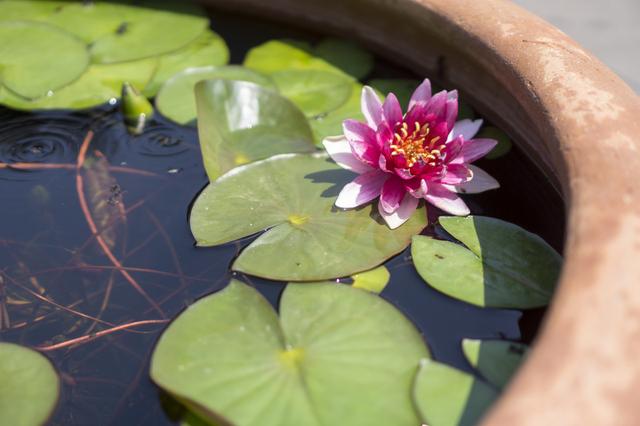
(334, 355)
(496, 264)
(293, 196)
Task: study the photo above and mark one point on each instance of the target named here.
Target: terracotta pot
(580, 123)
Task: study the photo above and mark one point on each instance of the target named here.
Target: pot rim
(578, 121)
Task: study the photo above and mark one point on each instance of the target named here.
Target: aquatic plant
(403, 158)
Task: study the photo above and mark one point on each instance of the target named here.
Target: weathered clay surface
(580, 123)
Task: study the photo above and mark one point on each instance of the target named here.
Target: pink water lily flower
(403, 158)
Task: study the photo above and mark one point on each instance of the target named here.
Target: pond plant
(315, 184)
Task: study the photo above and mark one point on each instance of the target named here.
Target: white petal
(371, 107)
(467, 128)
(447, 200)
(339, 150)
(361, 190)
(402, 214)
(480, 182)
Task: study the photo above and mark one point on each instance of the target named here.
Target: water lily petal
(437, 104)
(392, 110)
(465, 128)
(339, 150)
(421, 95)
(371, 107)
(481, 182)
(443, 198)
(457, 174)
(404, 174)
(392, 193)
(362, 140)
(402, 214)
(474, 149)
(361, 190)
(417, 187)
(451, 108)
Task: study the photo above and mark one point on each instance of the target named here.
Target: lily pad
(346, 55)
(98, 85)
(496, 360)
(374, 280)
(150, 28)
(24, 10)
(208, 50)
(501, 266)
(241, 122)
(29, 386)
(282, 55)
(315, 92)
(445, 396)
(330, 124)
(309, 239)
(177, 100)
(37, 59)
(336, 355)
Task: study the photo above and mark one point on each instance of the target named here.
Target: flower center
(416, 146)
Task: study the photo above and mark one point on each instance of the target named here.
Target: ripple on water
(46, 138)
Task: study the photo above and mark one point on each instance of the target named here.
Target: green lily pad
(403, 88)
(346, 55)
(336, 355)
(282, 55)
(309, 239)
(315, 92)
(501, 266)
(37, 59)
(445, 396)
(29, 386)
(504, 142)
(150, 28)
(208, 50)
(177, 100)
(241, 122)
(496, 360)
(24, 10)
(330, 124)
(98, 85)
(374, 280)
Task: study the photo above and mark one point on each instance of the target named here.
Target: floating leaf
(346, 55)
(282, 55)
(337, 355)
(401, 87)
(504, 143)
(36, 58)
(24, 10)
(374, 280)
(445, 396)
(496, 360)
(208, 50)
(150, 28)
(330, 124)
(309, 239)
(99, 84)
(177, 100)
(241, 122)
(315, 92)
(502, 265)
(29, 386)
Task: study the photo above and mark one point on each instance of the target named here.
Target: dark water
(57, 283)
